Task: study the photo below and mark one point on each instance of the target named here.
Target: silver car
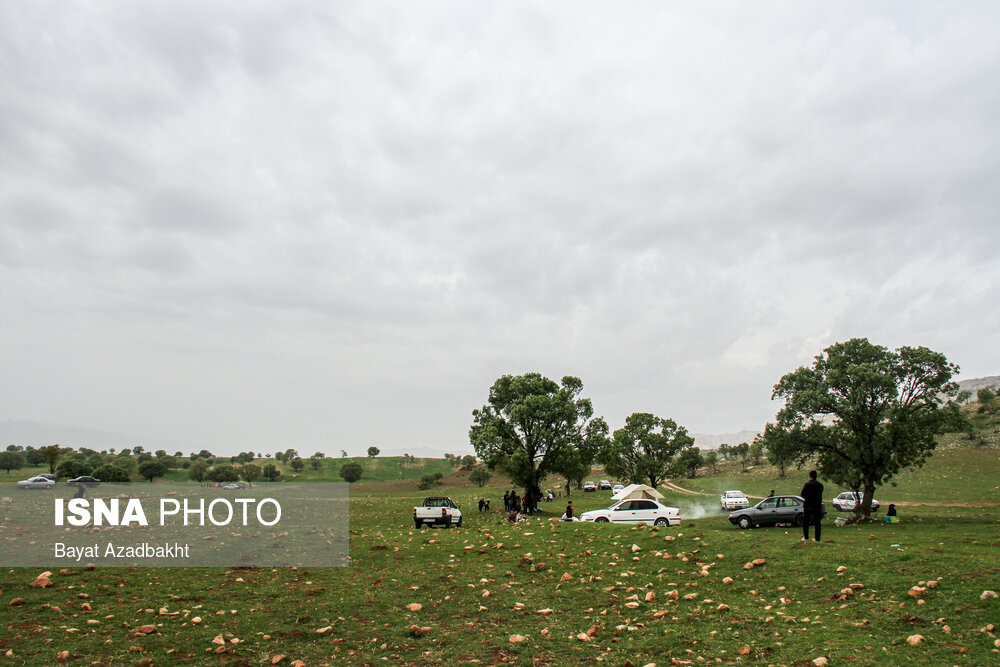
(772, 511)
(37, 482)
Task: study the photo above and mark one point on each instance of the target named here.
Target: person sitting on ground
(890, 515)
(568, 516)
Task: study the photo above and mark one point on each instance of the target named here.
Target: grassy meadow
(553, 593)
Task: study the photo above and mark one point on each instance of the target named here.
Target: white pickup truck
(437, 510)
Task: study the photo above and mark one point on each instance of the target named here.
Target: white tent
(638, 492)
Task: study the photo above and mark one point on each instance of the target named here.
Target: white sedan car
(848, 500)
(634, 511)
(734, 500)
(37, 482)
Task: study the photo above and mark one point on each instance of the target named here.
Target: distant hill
(975, 384)
(709, 441)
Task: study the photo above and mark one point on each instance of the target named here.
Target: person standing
(812, 506)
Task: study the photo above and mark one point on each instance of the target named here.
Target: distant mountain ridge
(710, 441)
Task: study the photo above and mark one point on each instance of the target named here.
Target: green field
(485, 583)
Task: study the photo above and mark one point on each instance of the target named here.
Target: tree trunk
(866, 501)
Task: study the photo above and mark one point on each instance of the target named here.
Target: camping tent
(638, 492)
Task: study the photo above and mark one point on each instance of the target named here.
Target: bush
(351, 472)
(111, 473)
(73, 468)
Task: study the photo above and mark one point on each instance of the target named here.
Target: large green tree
(645, 449)
(529, 425)
(866, 412)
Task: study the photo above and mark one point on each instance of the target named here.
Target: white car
(589, 486)
(734, 500)
(634, 511)
(616, 488)
(37, 482)
(847, 501)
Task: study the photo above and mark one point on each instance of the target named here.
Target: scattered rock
(516, 639)
(278, 658)
(148, 629)
(62, 656)
(414, 606)
(988, 595)
(917, 591)
(16, 602)
(744, 650)
(914, 640)
(218, 640)
(821, 661)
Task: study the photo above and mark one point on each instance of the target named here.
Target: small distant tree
(198, 470)
(373, 451)
(271, 472)
(160, 453)
(111, 473)
(316, 463)
(351, 472)
(51, 455)
(712, 461)
(743, 452)
(468, 461)
(987, 401)
(690, 460)
(11, 460)
(151, 469)
(756, 451)
(34, 456)
(250, 472)
(779, 446)
(426, 482)
(298, 464)
(480, 475)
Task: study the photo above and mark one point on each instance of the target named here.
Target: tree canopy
(866, 412)
(151, 469)
(529, 425)
(351, 472)
(645, 449)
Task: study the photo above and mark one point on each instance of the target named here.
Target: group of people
(525, 504)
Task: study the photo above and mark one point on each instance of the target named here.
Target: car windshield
(734, 494)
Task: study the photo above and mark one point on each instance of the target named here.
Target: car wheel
(798, 520)
(418, 524)
(459, 524)
(745, 522)
(661, 522)
(601, 519)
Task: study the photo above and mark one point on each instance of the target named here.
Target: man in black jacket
(812, 505)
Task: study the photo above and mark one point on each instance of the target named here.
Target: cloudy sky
(322, 225)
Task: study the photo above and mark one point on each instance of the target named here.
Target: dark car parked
(772, 511)
(84, 480)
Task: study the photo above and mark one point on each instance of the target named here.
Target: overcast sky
(321, 225)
